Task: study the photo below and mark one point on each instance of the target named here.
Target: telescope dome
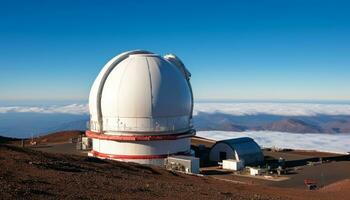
(141, 109)
(141, 92)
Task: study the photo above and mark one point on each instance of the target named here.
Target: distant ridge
(57, 137)
(289, 124)
(293, 126)
(7, 139)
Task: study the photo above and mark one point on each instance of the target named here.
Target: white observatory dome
(141, 107)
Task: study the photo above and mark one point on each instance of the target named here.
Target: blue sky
(256, 50)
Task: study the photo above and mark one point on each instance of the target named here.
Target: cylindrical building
(141, 108)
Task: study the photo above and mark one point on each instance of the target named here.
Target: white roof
(141, 91)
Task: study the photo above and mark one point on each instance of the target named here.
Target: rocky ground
(30, 174)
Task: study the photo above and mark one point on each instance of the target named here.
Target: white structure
(86, 143)
(256, 171)
(238, 149)
(188, 164)
(141, 108)
(231, 164)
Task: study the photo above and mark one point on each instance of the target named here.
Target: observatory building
(141, 108)
(240, 149)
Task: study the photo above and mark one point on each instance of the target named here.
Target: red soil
(57, 137)
(31, 174)
(340, 186)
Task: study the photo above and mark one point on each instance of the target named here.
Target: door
(223, 155)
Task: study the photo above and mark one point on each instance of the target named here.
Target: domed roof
(139, 91)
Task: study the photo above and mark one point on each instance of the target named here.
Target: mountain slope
(338, 126)
(32, 174)
(6, 139)
(292, 126)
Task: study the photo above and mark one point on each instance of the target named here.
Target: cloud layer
(237, 109)
(76, 109)
(282, 109)
(320, 142)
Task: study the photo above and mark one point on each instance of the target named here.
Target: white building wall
(158, 162)
(166, 125)
(232, 164)
(256, 171)
(214, 154)
(156, 147)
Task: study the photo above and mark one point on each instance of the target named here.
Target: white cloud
(284, 109)
(77, 109)
(238, 109)
(320, 142)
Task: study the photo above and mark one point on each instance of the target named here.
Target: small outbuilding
(244, 148)
(188, 164)
(231, 164)
(256, 171)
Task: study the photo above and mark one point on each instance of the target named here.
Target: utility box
(256, 171)
(231, 164)
(188, 164)
(86, 143)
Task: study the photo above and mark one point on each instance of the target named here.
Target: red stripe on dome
(103, 136)
(113, 156)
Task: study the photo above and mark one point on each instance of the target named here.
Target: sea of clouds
(76, 109)
(281, 109)
(320, 142)
(336, 143)
(237, 109)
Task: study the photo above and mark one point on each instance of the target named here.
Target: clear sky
(297, 49)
